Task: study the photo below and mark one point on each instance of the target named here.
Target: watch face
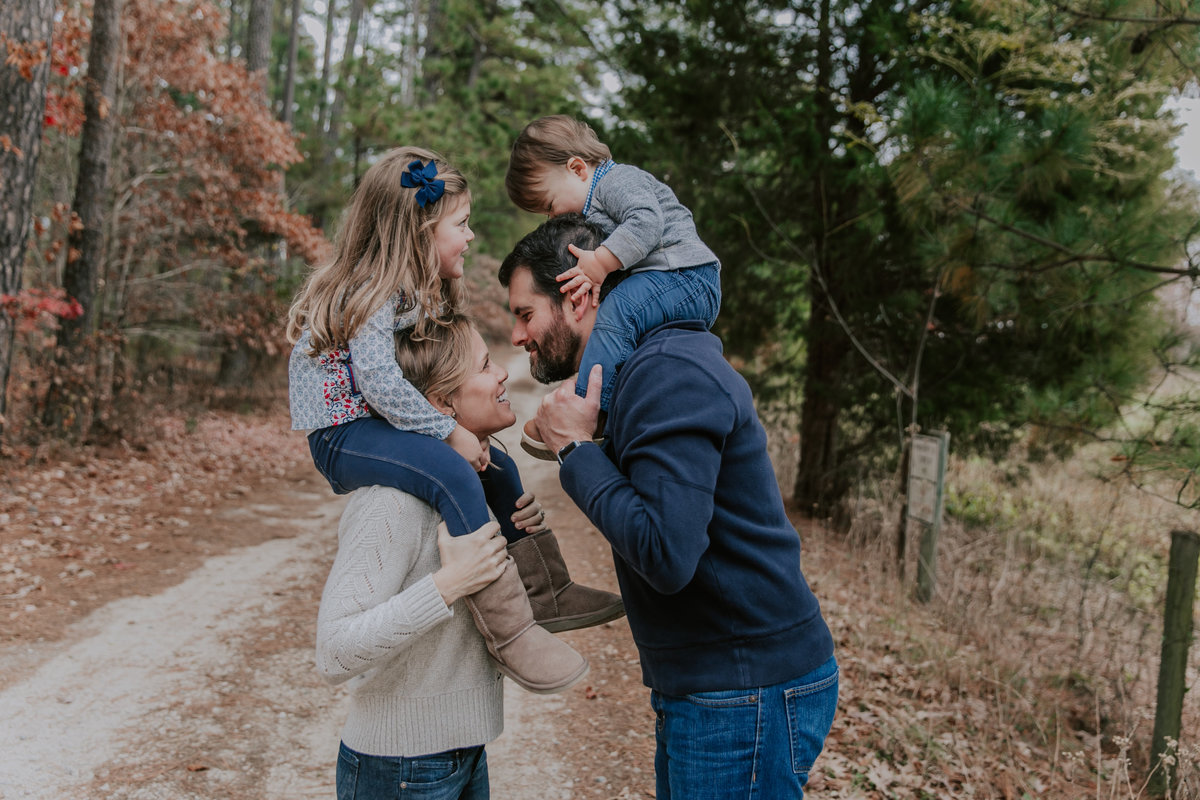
(566, 450)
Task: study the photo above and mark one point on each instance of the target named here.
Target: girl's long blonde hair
(385, 246)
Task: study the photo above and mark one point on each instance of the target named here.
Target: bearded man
(731, 639)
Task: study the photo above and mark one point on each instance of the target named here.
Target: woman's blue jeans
(453, 775)
(743, 744)
(370, 452)
(638, 304)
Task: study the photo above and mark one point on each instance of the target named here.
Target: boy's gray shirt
(646, 226)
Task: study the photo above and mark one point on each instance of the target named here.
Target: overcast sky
(1187, 147)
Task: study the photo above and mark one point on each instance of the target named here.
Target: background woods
(931, 215)
(972, 194)
(180, 198)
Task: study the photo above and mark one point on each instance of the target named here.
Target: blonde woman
(396, 610)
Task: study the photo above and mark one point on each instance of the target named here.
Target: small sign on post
(926, 485)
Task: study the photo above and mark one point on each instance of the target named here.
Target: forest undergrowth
(1031, 673)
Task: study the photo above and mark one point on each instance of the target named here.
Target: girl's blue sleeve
(381, 381)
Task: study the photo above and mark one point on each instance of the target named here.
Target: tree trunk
(1172, 668)
(28, 23)
(86, 244)
(819, 483)
(339, 94)
(435, 25)
(289, 78)
(326, 58)
(239, 358)
(68, 400)
(258, 43)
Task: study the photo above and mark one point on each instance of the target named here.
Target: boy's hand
(586, 277)
(467, 445)
(579, 285)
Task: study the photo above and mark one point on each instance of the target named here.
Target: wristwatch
(567, 449)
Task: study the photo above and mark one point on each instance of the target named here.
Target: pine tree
(969, 193)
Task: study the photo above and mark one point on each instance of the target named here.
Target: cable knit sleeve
(384, 539)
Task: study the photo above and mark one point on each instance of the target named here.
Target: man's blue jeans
(743, 744)
(453, 775)
(639, 303)
(370, 451)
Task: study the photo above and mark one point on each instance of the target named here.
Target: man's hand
(586, 277)
(566, 417)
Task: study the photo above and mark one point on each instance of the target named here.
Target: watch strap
(567, 449)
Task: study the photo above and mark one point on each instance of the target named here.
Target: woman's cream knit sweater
(419, 674)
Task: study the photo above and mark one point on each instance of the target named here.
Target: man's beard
(557, 354)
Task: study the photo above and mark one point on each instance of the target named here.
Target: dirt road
(207, 689)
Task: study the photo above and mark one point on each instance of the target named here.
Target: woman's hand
(529, 516)
(467, 445)
(469, 562)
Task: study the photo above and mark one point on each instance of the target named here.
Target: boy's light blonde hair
(544, 143)
(439, 364)
(385, 245)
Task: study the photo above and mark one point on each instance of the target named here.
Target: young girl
(558, 165)
(398, 263)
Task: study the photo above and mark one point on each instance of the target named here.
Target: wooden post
(930, 512)
(902, 531)
(1177, 638)
(927, 563)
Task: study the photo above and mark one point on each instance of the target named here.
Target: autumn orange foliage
(38, 308)
(199, 233)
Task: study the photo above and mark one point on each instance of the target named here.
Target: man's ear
(577, 309)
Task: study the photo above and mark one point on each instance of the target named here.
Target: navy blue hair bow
(423, 175)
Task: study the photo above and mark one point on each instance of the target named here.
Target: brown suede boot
(529, 655)
(559, 604)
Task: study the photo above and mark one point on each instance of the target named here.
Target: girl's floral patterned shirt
(345, 384)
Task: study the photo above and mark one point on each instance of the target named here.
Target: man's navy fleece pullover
(708, 563)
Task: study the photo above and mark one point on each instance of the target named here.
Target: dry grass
(1033, 671)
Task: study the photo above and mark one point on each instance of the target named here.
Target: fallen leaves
(66, 523)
